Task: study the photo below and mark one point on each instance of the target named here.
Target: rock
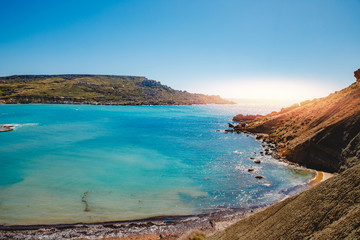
(238, 127)
(231, 126)
(257, 161)
(357, 75)
(250, 170)
(218, 130)
(241, 117)
(229, 130)
(6, 128)
(259, 177)
(252, 158)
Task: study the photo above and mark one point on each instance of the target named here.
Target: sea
(87, 163)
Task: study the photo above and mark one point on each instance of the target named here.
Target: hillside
(96, 89)
(322, 134)
(316, 133)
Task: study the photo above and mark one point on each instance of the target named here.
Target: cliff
(96, 89)
(322, 134)
(316, 133)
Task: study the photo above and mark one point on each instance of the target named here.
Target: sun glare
(272, 90)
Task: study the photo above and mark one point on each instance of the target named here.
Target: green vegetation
(96, 89)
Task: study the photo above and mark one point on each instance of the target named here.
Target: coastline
(320, 177)
(164, 227)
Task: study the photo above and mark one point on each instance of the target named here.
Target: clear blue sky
(230, 47)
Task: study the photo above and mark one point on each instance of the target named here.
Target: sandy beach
(320, 177)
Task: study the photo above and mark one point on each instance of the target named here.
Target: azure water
(79, 163)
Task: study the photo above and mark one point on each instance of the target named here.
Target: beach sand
(320, 177)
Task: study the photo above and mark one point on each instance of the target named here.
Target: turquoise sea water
(80, 163)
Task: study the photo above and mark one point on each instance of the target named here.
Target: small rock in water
(218, 130)
(259, 177)
(250, 170)
(257, 161)
(252, 158)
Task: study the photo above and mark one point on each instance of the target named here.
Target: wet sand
(320, 177)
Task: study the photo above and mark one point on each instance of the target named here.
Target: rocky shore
(6, 128)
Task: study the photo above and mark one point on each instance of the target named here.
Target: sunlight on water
(78, 163)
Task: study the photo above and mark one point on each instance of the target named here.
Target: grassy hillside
(323, 134)
(96, 89)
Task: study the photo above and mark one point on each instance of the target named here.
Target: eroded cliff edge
(323, 134)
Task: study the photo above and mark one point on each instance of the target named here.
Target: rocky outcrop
(357, 75)
(6, 128)
(244, 118)
(330, 210)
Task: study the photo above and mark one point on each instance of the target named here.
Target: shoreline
(320, 177)
(166, 227)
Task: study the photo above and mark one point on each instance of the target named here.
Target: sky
(279, 49)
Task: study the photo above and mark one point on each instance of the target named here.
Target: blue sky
(235, 48)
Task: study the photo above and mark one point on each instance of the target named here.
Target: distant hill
(96, 89)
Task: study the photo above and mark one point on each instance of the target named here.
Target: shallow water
(80, 163)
